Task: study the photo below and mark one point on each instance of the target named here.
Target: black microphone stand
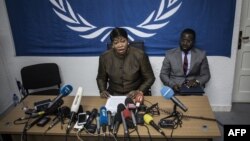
(175, 115)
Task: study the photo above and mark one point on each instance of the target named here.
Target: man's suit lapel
(193, 56)
(179, 60)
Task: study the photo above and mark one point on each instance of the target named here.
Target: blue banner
(82, 27)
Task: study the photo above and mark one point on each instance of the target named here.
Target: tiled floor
(240, 114)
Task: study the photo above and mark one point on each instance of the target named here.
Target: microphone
(64, 91)
(103, 118)
(98, 123)
(33, 123)
(42, 114)
(118, 118)
(75, 106)
(109, 120)
(33, 115)
(128, 118)
(91, 117)
(54, 122)
(55, 103)
(130, 103)
(62, 112)
(168, 93)
(139, 99)
(124, 121)
(131, 106)
(76, 103)
(149, 120)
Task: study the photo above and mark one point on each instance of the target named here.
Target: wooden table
(192, 129)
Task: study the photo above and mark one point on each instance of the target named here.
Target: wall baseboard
(6, 110)
(221, 108)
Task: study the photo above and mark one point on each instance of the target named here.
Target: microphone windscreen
(147, 118)
(118, 117)
(77, 100)
(128, 100)
(130, 103)
(103, 116)
(91, 117)
(126, 113)
(66, 90)
(64, 111)
(167, 92)
(94, 112)
(120, 108)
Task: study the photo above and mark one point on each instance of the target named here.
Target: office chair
(136, 44)
(41, 79)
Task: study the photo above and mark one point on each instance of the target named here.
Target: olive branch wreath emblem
(156, 20)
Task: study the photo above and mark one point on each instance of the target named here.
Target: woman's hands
(105, 94)
(132, 94)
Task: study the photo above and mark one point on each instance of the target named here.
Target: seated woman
(123, 70)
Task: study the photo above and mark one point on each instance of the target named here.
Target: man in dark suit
(186, 64)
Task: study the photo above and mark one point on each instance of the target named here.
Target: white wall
(82, 71)
(6, 89)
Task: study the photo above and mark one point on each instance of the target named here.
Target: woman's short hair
(116, 32)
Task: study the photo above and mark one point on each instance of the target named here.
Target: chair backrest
(40, 76)
(136, 44)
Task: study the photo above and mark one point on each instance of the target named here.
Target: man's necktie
(185, 64)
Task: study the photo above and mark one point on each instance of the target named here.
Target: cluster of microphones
(130, 114)
(49, 108)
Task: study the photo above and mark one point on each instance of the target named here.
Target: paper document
(113, 102)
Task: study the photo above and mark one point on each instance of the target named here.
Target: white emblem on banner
(152, 23)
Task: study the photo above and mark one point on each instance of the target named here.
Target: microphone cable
(17, 121)
(113, 136)
(104, 135)
(194, 117)
(78, 133)
(139, 137)
(66, 136)
(174, 120)
(24, 132)
(109, 134)
(110, 124)
(67, 132)
(92, 134)
(126, 138)
(24, 119)
(55, 120)
(149, 135)
(203, 118)
(178, 121)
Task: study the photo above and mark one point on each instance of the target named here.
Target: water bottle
(15, 99)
